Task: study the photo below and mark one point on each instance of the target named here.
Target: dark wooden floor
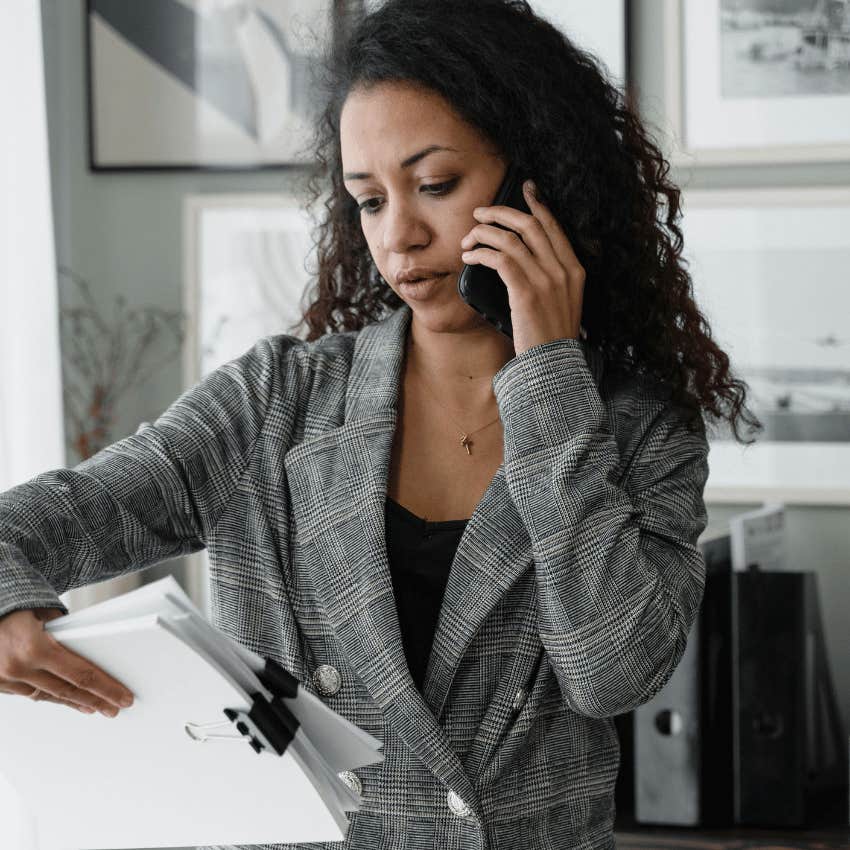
(833, 833)
(672, 839)
(828, 824)
(828, 830)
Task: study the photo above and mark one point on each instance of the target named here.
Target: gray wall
(123, 232)
(120, 231)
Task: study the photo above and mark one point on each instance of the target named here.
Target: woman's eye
(429, 189)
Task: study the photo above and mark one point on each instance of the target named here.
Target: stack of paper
(146, 778)
(758, 537)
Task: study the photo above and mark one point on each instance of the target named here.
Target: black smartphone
(479, 285)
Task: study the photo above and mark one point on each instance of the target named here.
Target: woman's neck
(458, 367)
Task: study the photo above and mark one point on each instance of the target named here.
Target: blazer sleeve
(154, 495)
(619, 575)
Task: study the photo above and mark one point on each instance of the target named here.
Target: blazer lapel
(493, 553)
(338, 486)
(338, 482)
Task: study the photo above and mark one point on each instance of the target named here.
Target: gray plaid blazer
(569, 600)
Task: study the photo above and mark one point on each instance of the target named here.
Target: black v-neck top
(420, 555)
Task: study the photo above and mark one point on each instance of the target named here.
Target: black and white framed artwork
(599, 26)
(245, 267)
(769, 268)
(211, 84)
(757, 81)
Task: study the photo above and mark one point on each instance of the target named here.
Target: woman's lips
(421, 289)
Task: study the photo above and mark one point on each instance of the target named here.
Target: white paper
(758, 537)
(344, 745)
(139, 779)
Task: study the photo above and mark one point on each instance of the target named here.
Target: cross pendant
(464, 441)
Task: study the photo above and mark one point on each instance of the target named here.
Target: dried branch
(103, 360)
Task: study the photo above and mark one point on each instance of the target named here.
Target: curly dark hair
(550, 107)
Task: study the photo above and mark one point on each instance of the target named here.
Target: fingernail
(531, 188)
(126, 701)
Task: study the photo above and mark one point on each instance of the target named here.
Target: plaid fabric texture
(570, 597)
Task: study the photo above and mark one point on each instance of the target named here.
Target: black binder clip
(268, 724)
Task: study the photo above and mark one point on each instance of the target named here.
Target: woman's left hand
(544, 278)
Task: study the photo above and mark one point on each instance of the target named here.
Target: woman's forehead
(398, 121)
(396, 106)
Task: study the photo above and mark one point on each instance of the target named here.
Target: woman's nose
(403, 228)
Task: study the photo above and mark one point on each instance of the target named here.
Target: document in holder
(220, 746)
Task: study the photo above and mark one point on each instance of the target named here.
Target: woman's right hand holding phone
(34, 664)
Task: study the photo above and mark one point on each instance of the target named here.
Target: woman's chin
(450, 314)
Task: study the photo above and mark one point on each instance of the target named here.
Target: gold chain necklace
(464, 435)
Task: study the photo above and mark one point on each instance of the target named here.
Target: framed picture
(769, 268)
(194, 84)
(749, 81)
(245, 273)
(600, 26)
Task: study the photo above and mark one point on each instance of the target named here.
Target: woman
(479, 550)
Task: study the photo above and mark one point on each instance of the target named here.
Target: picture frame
(253, 240)
(185, 85)
(600, 26)
(776, 299)
(726, 103)
(245, 275)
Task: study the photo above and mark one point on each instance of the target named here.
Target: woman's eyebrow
(406, 163)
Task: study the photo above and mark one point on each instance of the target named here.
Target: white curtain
(31, 417)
